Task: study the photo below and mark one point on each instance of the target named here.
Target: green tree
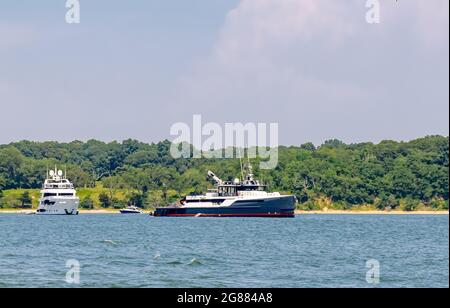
(2, 185)
(410, 204)
(2, 182)
(113, 184)
(349, 175)
(87, 203)
(334, 143)
(118, 204)
(387, 202)
(11, 161)
(136, 199)
(79, 177)
(1, 198)
(105, 200)
(156, 199)
(308, 146)
(25, 200)
(439, 204)
(192, 180)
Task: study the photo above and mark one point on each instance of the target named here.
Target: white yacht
(58, 196)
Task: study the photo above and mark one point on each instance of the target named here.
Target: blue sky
(132, 69)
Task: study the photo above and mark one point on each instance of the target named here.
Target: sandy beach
(81, 212)
(327, 212)
(341, 212)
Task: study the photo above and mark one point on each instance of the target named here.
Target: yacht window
(66, 194)
(49, 195)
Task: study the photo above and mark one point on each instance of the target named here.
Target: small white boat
(131, 210)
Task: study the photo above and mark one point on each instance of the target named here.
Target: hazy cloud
(320, 70)
(14, 36)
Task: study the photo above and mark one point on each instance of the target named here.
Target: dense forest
(387, 175)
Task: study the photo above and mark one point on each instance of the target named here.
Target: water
(144, 251)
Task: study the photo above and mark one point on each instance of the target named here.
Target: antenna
(240, 162)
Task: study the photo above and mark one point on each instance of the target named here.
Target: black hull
(275, 207)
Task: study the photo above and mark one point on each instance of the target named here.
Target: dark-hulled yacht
(247, 198)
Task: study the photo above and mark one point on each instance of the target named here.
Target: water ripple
(141, 251)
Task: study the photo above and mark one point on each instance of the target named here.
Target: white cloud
(256, 27)
(318, 60)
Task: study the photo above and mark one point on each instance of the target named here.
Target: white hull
(66, 206)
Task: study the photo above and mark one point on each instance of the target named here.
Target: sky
(131, 69)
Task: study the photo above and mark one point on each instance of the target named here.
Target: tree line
(389, 174)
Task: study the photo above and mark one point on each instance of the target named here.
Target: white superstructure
(58, 196)
(227, 193)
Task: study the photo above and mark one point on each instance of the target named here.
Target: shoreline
(297, 212)
(81, 212)
(374, 212)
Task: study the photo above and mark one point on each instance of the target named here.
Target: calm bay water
(144, 251)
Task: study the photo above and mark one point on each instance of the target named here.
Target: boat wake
(110, 242)
(194, 262)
